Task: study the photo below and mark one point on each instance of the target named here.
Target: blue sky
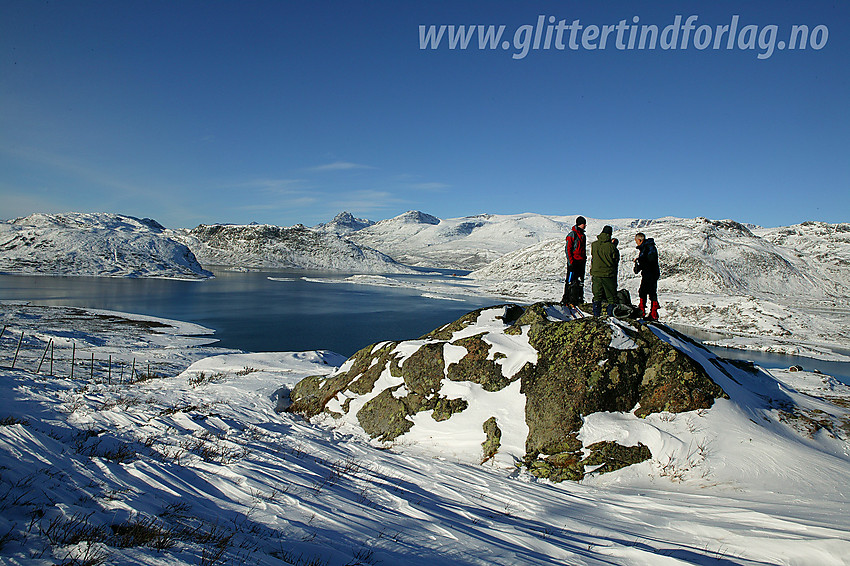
(286, 112)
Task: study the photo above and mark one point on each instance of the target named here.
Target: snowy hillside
(198, 468)
(718, 276)
(697, 256)
(827, 246)
(416, 238)
(274, 246)
(103, 244)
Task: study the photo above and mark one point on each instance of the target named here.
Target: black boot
(597, 308)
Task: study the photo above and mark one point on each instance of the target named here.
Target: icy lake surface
(294, 310)
(259, 311)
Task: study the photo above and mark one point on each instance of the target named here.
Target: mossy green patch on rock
(578, 373)
(610, 456)
(475, 366)
(305, 396)
(491, 445)
(604, 457)
(424, 370)
(310, 395)
(673, 382)
(368, 367)
(385, 416)
(444, 408)
(558, 467)
(532, 315)
(568, 381)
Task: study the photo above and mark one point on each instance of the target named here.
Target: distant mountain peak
(344, 223)
(417, 217)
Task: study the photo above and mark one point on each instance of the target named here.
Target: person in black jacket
(646, 263)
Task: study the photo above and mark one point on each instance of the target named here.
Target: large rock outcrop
(474, 375)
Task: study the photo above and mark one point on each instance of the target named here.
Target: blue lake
(250, 312)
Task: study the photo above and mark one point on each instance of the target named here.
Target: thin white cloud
(340, 166)
(73, 167)
(436, 187)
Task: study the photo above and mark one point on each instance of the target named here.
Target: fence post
(132, 371)
(91, 373)
(51, 357)
(44, 355)
(2, 332)
(15, 360)
(73, 357)
(109, 371)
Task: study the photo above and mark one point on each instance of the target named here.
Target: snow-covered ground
(194, 466)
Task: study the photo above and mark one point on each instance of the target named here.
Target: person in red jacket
(576, 251)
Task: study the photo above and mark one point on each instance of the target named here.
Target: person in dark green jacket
(603, 271)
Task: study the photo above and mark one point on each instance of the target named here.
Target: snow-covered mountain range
(471, 242)
(779, 289)
(106, 245)
(706, 256)
(263, 245)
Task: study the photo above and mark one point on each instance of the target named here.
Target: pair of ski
(574, 311)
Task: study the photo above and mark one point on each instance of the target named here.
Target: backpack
(624, 307)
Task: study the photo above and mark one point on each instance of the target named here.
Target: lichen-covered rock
(476, 366)
(424, 370)
(610, 456)
(311, 395)
(445, 408)
(674, 383)
(384, 417)
(580, 373)
(555, 371)
(494, 436)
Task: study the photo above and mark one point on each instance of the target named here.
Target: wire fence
(30, 353)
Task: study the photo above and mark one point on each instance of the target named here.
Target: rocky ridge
(518, 382)
(298, 247)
